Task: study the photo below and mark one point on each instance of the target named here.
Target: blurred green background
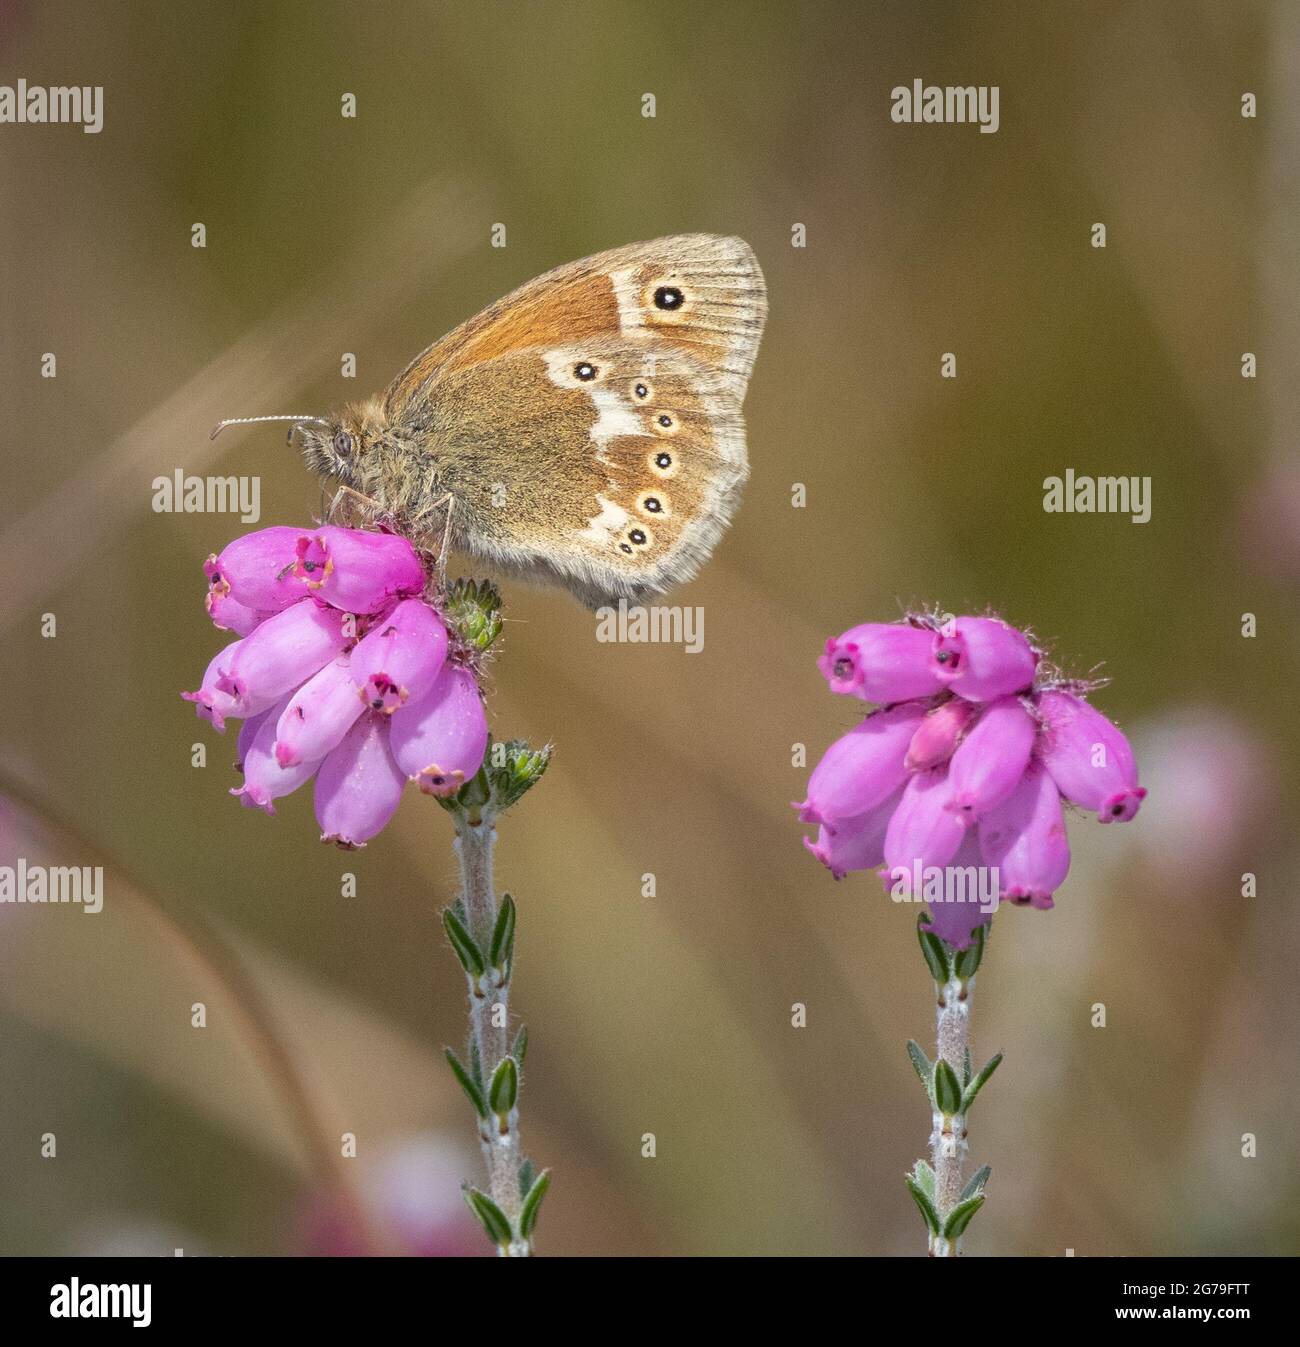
(669, 1014)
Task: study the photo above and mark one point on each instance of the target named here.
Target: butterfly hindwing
(614, 465)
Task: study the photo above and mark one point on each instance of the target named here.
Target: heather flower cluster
(967, 762)
(341, 672)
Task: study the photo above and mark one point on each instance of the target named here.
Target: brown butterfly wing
(632, 292)
(610, 465)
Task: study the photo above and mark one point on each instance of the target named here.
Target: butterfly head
(338, 445)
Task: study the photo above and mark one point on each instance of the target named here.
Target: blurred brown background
(671, 1014)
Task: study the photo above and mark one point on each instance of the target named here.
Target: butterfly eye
(668, 297)
(343, 444)
(585, 371)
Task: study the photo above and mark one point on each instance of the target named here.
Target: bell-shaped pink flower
(398, 659)
(1024, 838)
(855, 843)
(880, 662)
(264, 778)
(439, 740)
(1089, 758)
(211, 701)
(936, 738)
(992, 758)
(228, 614)
(863, 767)
(961, 913)
(256, 570)
(357, 570)
(319, 714)
(923, 832)
(982, 658)
(283, 652)
(359, 785)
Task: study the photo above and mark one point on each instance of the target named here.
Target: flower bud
(881, 662)
(356, 570)
(1089, 758)
(358, 786)
(855, 843)
(318, 715)
(992, 758)
(404, 651)
(982, 658)
(257, 570)
(283, 652)
(923, 831)
(1024, 837)
(439, 741)
(936, 738)
(863, 767)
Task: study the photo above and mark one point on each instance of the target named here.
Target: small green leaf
(960, 1216)
(947, 1093)
(503, 934)
(472, 609)
(516, 767)
(533, 1204)
(934, 950)
(978, 1083)
(491, 1216)
(504, 1089)
(475, 1063)
(520, 1049)
(976, 1185)
(969, 959)
(920, 1062)
(924, 1204)
(469, 954)
(467, 1083)
(967, 1067)
(526, 1176)
(923, 1177)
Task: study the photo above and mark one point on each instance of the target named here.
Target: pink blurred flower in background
(975, 748)
(412, 1197)
(342, 671)
(1215, 785)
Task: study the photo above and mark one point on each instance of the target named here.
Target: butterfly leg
(449, 501)
(347, 491)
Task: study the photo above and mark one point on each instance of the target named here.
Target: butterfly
(585, 430)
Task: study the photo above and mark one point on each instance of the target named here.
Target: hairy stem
(489, 1013)
(948, 1139)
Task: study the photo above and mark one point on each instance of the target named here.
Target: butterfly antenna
(250, 420)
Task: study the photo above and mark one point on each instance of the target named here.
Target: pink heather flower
(938, 781)
(347, 695)
(992, 758)
(359, 785)
(956, 919)
(982, 658)
(439, 740)
(399, 658)
(924, 831)
(880, 662)
(862, 767)
(281, 653)
(357, 571)
(1024, 837)
(255, 573)
(1089, 759)
(855, 843)
(933, 743)
(319, 714)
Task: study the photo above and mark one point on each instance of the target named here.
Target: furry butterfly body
(585, 429)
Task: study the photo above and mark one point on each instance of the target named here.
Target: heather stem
(489, 1013)
(948, 1138)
